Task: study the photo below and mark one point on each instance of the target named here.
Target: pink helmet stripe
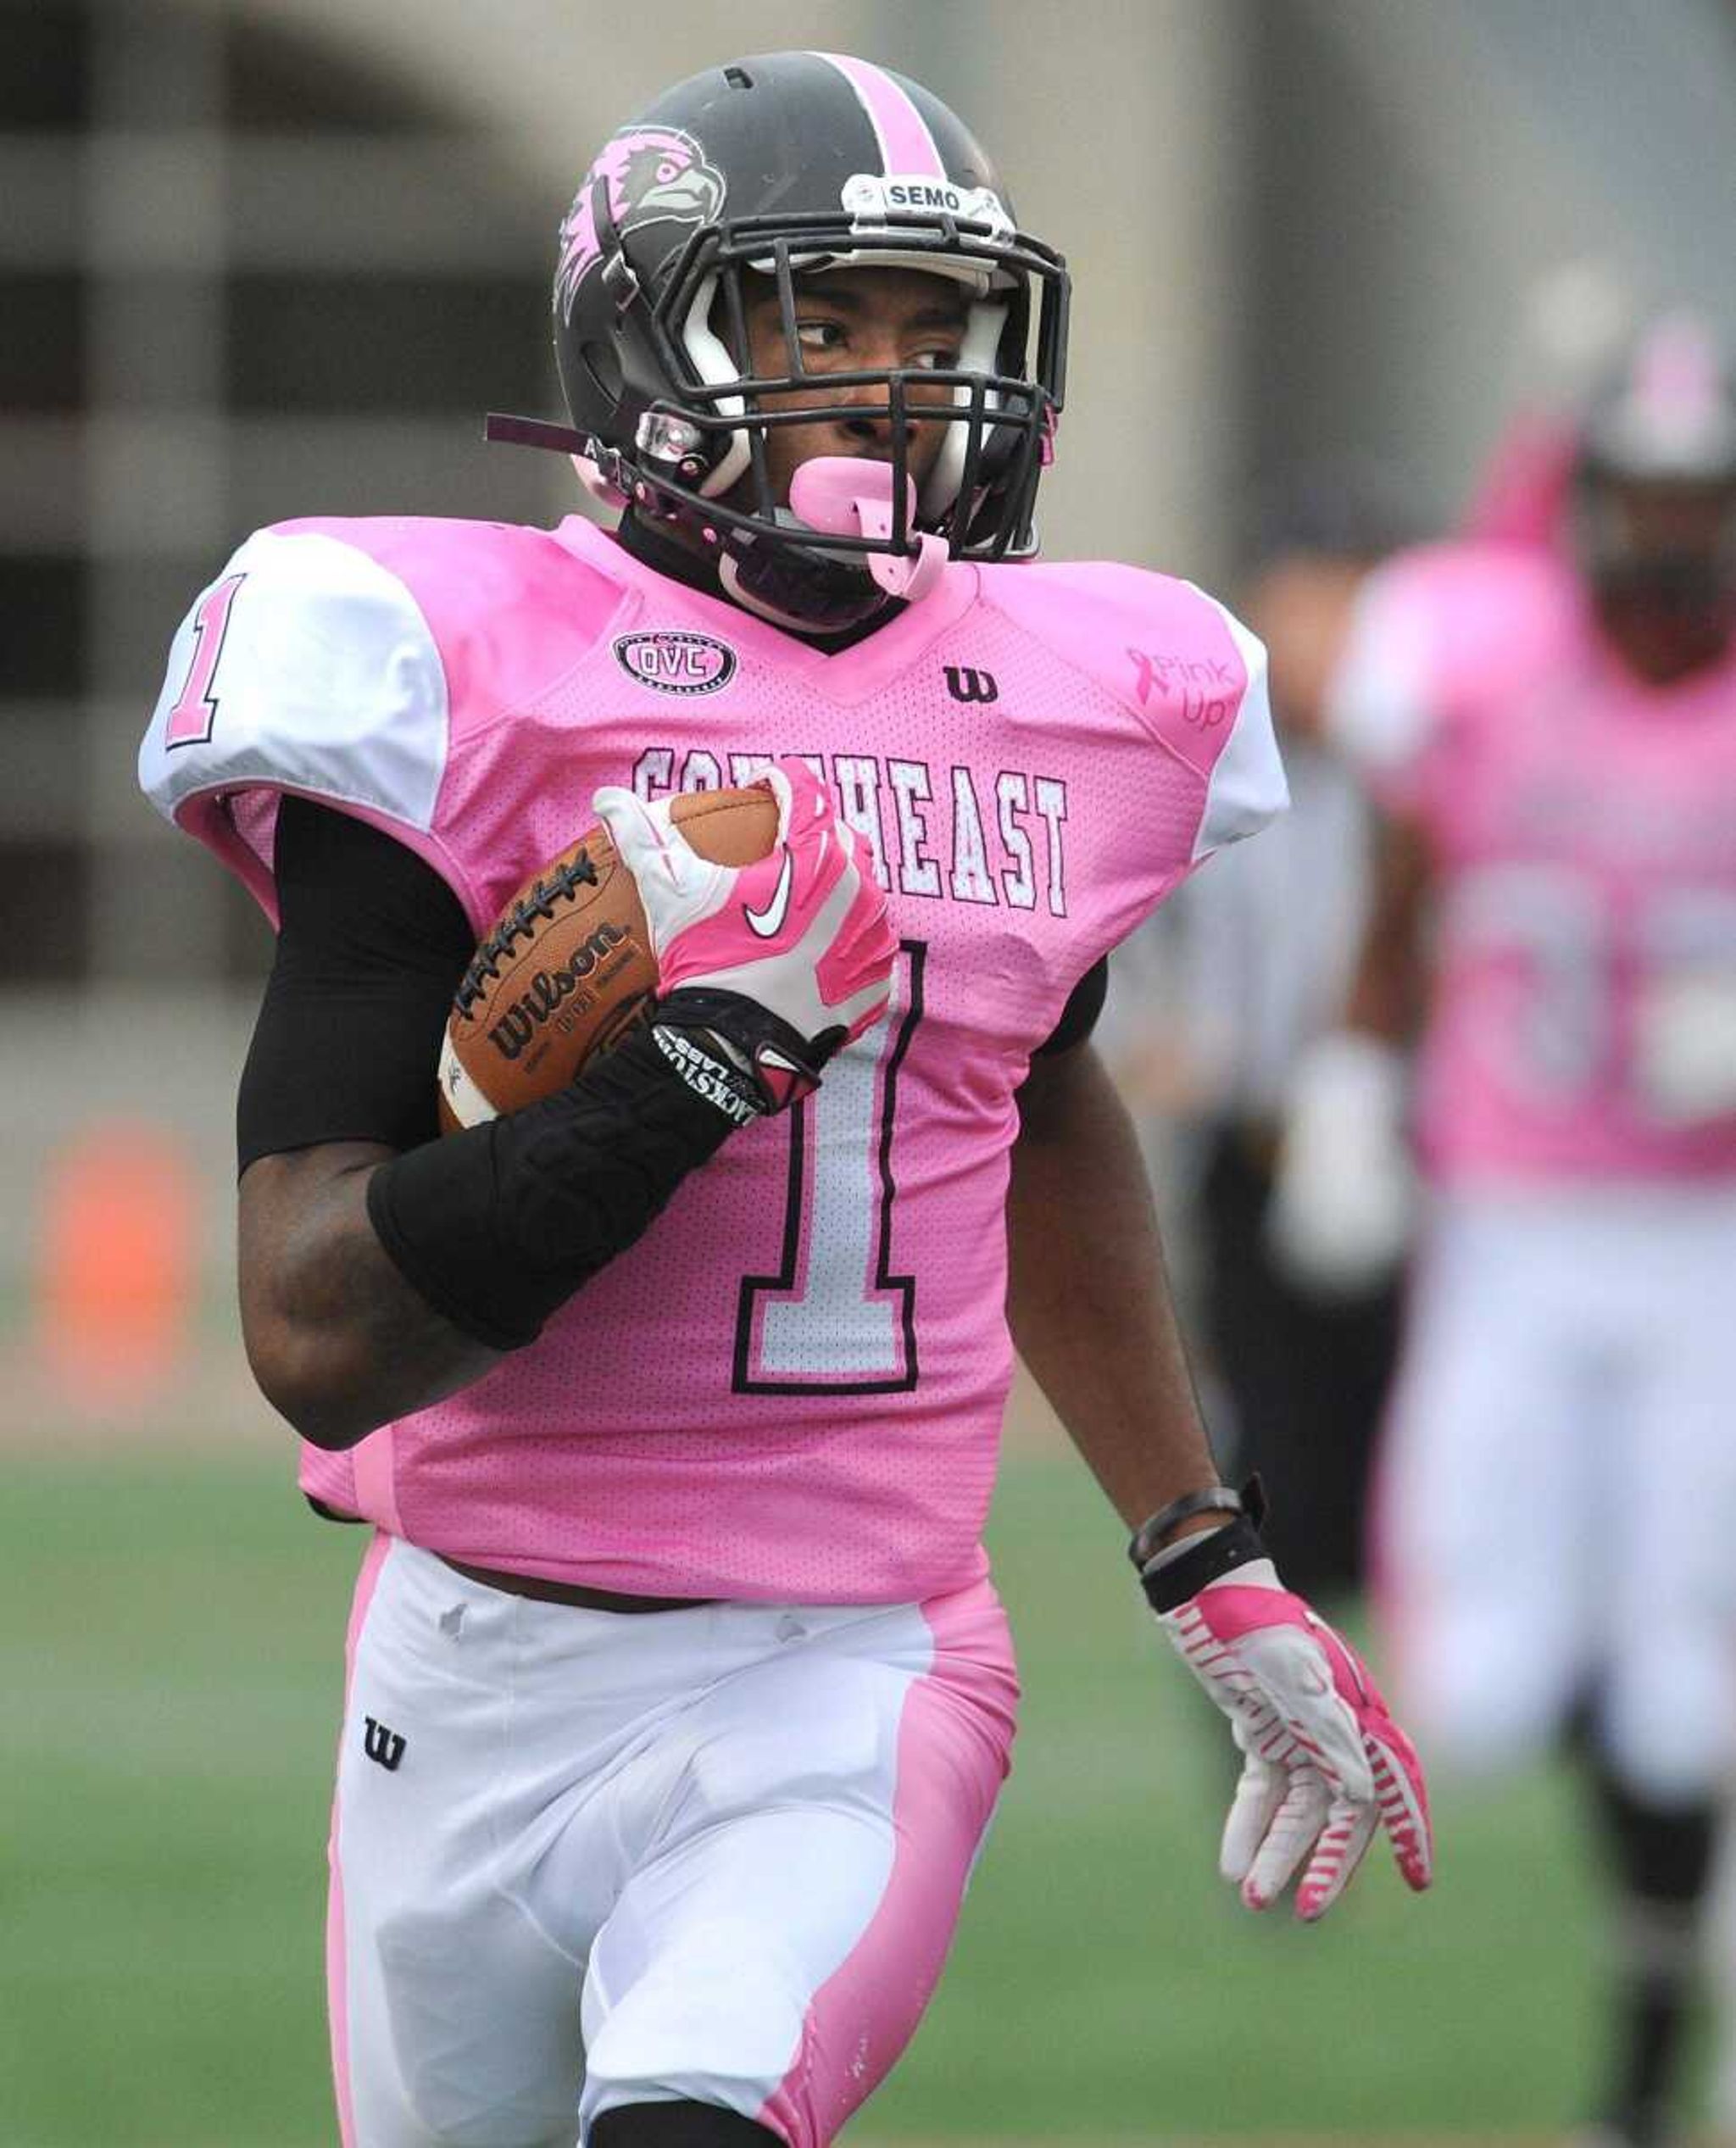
(906, 145)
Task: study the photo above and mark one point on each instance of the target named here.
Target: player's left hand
(1324, 1764)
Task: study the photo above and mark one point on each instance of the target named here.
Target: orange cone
(119, 1265)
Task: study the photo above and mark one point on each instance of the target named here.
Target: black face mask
(1667, 616)
(1681, 585)
(1670, 608)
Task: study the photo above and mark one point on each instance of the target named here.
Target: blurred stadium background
(267, 258)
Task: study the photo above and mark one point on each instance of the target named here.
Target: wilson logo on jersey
(382, 1745)
(966, 685)
(677, 663)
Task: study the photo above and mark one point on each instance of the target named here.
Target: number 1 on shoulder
(194, 716)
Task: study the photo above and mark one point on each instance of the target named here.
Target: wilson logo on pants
(382, 1745)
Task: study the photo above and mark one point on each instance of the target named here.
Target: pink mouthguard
(847, 496)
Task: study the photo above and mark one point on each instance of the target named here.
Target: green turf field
(171, 1659)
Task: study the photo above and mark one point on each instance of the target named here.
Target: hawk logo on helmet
(651, 173)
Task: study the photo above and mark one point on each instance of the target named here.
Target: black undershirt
(371, 945)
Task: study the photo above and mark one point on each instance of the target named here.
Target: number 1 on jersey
(194, 714)
(835, 1321)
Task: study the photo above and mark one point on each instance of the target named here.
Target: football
(566, 969)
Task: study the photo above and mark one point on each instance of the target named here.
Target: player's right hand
(1343, 1195)
(802, 934)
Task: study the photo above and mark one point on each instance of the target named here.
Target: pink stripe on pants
(955, 1738)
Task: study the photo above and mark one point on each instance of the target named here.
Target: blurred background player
(1552, 733)
(1213, 1000)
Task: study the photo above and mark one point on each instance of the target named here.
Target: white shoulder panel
(1247, 787)
(1380, 703)
(306, 666)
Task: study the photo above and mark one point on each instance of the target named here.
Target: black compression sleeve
(370, 947)
(1079, 1015)
(497, 1226)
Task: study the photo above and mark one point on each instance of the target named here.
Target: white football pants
(1556, 1500)
(583, 1859)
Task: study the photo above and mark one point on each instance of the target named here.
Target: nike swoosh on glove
(803, 933)
(1324, 1763)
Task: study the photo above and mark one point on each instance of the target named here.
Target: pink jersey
(1583, 1018)
(793, 1386)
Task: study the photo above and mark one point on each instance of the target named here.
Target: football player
(679, 1696)
(1553, 732)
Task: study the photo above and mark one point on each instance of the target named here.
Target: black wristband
(1207, 1557)
(497, 1226)
(770, 1065)
(1148, 1539)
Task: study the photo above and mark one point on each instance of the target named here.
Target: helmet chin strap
(813, 588)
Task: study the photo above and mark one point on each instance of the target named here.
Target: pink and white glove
(1324, 1763)
(802, 934)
